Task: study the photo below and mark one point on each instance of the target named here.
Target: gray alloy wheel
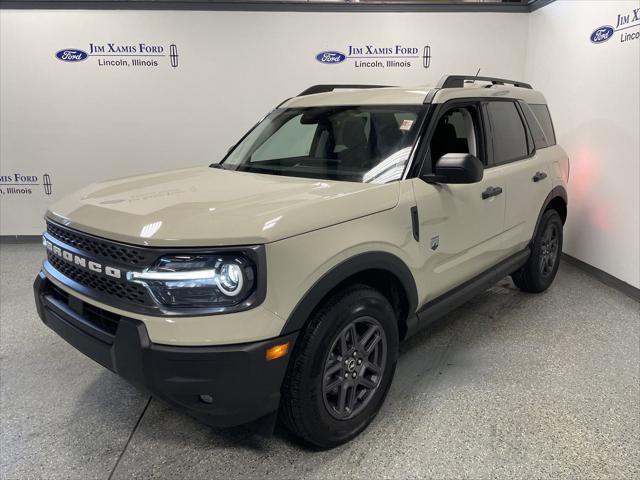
(549, 249)
(354, 367)
(341, 368)
(537, 274)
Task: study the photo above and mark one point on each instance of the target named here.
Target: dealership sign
(378, 56)
(71, 55)
(602, 34)
(625, 21)
(123, 55)
(331, 57)
(20, 184)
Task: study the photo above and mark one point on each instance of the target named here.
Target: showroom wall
(94, 119)
(161, 90)
(592, 90)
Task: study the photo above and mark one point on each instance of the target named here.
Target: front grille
(101, 319)
(129, 292)
(113, 251)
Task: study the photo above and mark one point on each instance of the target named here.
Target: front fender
(376, 260)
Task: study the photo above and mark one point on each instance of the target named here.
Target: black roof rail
(331, 88)
(457, 81)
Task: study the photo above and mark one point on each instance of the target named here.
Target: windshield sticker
(406, 125)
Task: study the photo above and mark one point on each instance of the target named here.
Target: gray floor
(511, 386)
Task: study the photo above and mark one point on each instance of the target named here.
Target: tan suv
(282, 279)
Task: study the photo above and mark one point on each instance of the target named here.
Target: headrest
(353, 134)
(389, 139)
(445, 131)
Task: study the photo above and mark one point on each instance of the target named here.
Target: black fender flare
(375, 260)
(556, 192)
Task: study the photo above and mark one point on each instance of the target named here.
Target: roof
(368, 96)
(412, 95)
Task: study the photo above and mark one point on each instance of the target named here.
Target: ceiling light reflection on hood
(150, 229)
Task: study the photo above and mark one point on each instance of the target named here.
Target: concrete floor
(511, 386)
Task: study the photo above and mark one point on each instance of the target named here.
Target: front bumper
(243, 386)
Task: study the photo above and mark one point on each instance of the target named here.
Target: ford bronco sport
(281, 280)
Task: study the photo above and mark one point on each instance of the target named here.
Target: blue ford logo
(602, 34)
(71, 55)
(331, 57)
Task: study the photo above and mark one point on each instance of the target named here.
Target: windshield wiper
(217, 165)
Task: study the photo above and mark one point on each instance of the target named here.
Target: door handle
(491, 192)
(539, 176)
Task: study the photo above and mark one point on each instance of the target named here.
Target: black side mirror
(456, 168)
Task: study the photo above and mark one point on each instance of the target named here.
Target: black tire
(538, 273)
(310, 406)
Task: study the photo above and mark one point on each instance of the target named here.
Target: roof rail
(331, 88)
(457, 81)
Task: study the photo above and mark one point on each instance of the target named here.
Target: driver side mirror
(456, 168)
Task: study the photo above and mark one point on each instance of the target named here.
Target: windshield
(368, 144)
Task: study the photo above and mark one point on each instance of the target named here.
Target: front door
(460, 225)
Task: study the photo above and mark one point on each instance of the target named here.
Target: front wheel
(538, 273)
(342, 367)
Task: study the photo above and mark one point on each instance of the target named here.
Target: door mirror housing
(456, 168)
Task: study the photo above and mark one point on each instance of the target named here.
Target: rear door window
(507, 132)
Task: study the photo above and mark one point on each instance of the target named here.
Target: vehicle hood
(214, 207)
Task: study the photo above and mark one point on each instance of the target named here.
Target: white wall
(80, 122)
(593, 94)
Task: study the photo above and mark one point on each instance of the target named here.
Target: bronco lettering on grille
(81, 261)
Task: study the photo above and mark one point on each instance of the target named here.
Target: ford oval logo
(331, 57)
(602, 34)
(71, 55)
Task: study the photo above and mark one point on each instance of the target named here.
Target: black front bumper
(241, 384)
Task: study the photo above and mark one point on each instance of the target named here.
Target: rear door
(526, 178)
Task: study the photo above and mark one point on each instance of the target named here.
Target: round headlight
(230, 279)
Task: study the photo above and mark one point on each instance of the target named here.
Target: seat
(445, 140)
(389, 138)
(356, 154)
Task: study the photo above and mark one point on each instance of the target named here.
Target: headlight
(199, 280)
(230, 279)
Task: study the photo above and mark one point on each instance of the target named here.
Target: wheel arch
(558, 200)
(381, 270)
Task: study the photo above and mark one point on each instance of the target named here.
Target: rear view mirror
(456, 168)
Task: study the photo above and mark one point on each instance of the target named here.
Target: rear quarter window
(544, 118)
(539, 137)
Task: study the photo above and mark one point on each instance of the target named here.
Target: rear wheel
(342, 368)
(540, 270)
